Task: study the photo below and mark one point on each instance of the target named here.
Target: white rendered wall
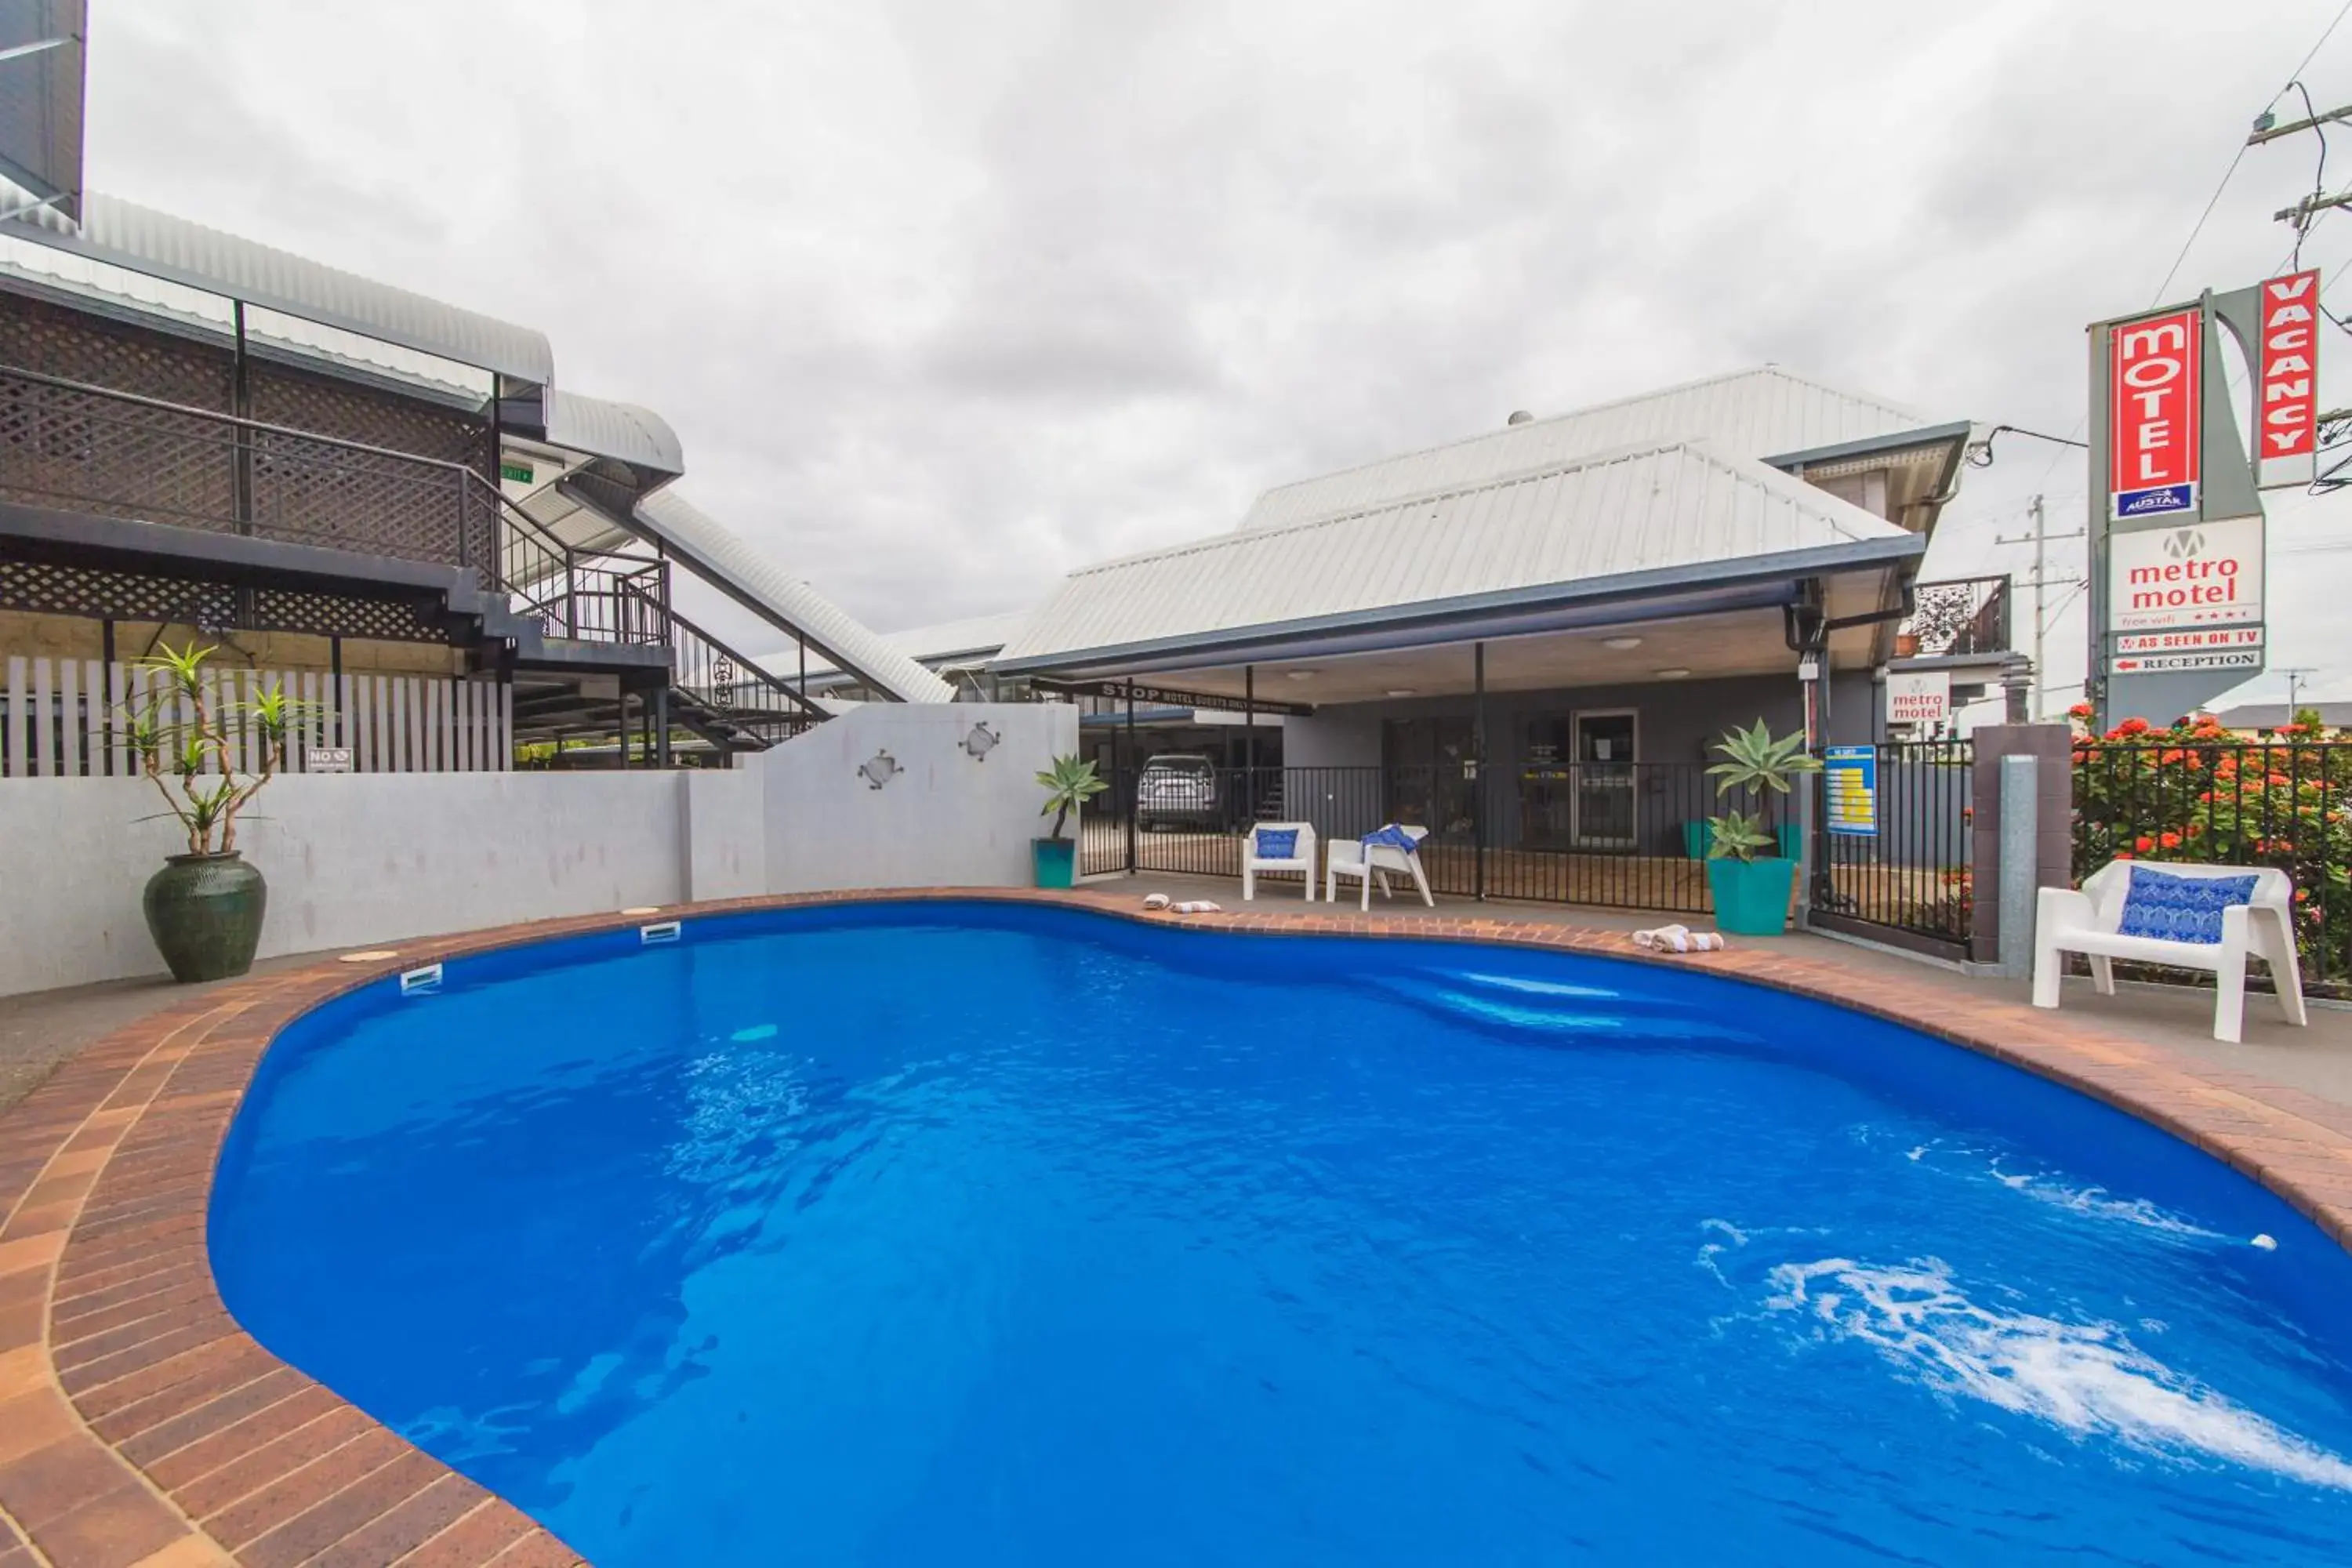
(350, 860)
(358, 859)
(946, 820)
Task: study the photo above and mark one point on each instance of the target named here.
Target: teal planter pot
(1056, 861)
(204, 913)
(1751, 897)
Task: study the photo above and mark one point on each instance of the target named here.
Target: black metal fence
(1907, 880)
(1626, 835)
(2224, 802)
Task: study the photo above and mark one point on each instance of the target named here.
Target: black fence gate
(1896, 867)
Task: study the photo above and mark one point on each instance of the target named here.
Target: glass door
(1605, 795)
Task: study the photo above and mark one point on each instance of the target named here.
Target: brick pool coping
(140, 1427)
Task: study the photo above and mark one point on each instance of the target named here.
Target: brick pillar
(2052, 745)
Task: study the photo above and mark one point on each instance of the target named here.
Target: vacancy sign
(2153, 370)
(2287, 391)
(2196, 575)
(1918, 696)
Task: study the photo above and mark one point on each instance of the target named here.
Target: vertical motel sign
(2155, 368)
(2286, 398)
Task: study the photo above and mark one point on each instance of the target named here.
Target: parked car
(1179, 789)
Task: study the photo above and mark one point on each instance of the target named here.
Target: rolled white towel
(1197, 907)
(1679, 938)
(1155, 901)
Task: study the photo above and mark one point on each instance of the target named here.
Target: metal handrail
(754, 674)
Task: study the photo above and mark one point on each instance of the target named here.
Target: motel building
(1528, 640)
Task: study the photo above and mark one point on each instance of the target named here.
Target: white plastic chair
(1301, 858)
(2086, 922)
(1346, 858)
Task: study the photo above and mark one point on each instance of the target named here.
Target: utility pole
(2042, 583)
(2294, 683)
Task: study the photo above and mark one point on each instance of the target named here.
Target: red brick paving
(140, 1427)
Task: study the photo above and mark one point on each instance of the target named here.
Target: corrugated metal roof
(1749, 413)
(1647, 509)
(728, 564)
(145, 240)
(624, 431)
(977, 637)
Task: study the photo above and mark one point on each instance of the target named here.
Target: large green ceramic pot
(204, 913)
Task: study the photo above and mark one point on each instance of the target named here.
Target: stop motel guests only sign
(2286, 399)
(2154, 367)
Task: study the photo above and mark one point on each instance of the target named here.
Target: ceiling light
(1301, 674)
(1621, 644)
(1672, 674)
(1401, 691)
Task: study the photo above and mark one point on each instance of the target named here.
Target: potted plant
(204, 908)
(1751, 891)
(1069, 784)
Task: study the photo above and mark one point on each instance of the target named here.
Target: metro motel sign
(2154, 384)
(2176, 522)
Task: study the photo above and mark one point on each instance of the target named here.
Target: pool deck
(140, 1427)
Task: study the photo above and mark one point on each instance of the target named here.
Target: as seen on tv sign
(2154, 400)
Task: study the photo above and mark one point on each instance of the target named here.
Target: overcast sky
(946, 297)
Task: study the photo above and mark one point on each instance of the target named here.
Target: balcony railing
(88, 448)
(1956, 618)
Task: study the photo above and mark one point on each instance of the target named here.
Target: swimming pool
(994, 1234)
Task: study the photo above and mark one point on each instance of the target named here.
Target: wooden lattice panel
(99, 593)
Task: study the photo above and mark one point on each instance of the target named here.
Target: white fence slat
(371, 711)
(469, 726)
(93, 716)
(405, 698)
(436, 726)
(68, 720)
(44, 687)
(14, 741)
(345, 684)
(126, 755)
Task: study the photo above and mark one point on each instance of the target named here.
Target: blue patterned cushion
(2180, 908)
(1277, 843)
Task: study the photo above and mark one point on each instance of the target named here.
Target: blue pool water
(1003, 1236)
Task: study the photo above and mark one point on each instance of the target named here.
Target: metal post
(1134, 788)
(335, 682)
(1478, 768)
(241, 393)
(625, 730)
(1249, 743)
(803, 648)
(661, 727)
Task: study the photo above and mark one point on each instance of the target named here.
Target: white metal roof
(1674, 513)
(728, 564)
(128, 235)
(1762, 413)
(973, 637)
(624, 431)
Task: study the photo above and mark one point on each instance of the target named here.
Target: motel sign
(2175, 523)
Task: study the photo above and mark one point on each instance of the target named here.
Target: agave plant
(185, 739)
(1754, 762)
(1068, 784)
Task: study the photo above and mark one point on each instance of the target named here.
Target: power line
(2330, 33)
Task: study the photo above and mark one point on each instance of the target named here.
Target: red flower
(2143, 844)
(2080, 710)
(2301, 894)
(2123, 855)
(2132, 727)
(2169, 840)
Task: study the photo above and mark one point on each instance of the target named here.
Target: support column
(2052, 748)
(1132, 779)
(623, 727)
(1479, 768)
(661, 728)
(1249, 744)
(335, 682)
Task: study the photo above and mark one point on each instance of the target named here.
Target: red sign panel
(2155, 367)
(2288, 394)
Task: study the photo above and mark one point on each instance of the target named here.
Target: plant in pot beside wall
(1752, 891)
(1069, 784)
(204, 908)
